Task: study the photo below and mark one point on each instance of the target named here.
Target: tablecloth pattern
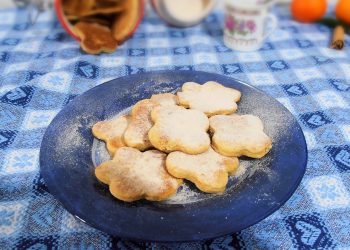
(42, 69)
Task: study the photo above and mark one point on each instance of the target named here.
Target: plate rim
(77, 214)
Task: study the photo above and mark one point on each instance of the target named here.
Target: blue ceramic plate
(69, 154)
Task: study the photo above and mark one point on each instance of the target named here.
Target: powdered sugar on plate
(248, 167)
(188, 193)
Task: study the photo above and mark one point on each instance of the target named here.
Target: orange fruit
(342, 10)
(308, 10)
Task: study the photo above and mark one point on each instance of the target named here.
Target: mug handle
(273, 27)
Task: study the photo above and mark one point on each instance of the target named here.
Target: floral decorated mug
(248, 23)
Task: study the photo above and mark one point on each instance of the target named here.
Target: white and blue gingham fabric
(42, 69)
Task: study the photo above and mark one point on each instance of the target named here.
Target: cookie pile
(102, 24)
(165, 139)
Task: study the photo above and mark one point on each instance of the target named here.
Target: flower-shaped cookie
(164, 99)
(134, 175)
(111, 131)
(211, 98)
(136, 134)
(208, 171)
(95, 38)
(179, 129)
(236, 135)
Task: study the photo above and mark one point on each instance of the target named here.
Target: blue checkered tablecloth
(42, 69)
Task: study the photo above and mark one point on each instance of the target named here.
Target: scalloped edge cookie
(136, 134)
(111, 132)
(179, 129)
(212, 98)
(133, 175)
(237, 135)
(208, 171)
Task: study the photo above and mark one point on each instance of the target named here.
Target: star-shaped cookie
(133, 175)
(211, 98)
(237, 135)
(208, 171)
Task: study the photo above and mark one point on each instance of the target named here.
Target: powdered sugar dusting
(188, 193)
(211, 98)
(72, 139)
(274, 121)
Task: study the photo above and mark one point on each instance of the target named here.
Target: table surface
(42, 69)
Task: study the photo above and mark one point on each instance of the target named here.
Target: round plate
(68, 151)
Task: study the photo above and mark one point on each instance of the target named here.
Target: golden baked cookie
(95, 38)
(125, 22)
(211, 98)
(112, 132)
(136, 134)
(165, 99)
(208, 171)
(133, 175)
(179, 129)
(237, 135)
(76, 9)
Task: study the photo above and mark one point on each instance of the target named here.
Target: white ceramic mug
(248, 23)
(183, 13)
